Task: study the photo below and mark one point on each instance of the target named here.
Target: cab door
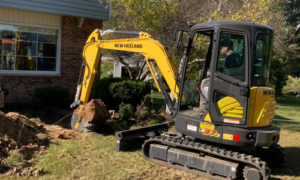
(229, 90)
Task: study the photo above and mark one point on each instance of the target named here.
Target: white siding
(29, 18)
(118, 69)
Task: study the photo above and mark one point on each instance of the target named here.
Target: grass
(96, 158)
(105, 67)
(158, 100)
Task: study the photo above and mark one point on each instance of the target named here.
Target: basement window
(28, 50)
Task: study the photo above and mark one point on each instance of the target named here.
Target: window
(231, 60)
(228, 106)
(261, 67)
(195, 67)
(28, 49)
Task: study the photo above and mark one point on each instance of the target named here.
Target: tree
(279, 73)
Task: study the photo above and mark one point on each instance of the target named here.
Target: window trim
(38, 73)
(227, 77)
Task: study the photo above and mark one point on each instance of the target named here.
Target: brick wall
(72, 42)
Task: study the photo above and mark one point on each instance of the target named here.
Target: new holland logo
(270, 92)
(129, 45)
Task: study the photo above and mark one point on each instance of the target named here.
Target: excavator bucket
(135, 138)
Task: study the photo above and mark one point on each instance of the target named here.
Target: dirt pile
(57, 132)
(27, 171)
(22, 136)
(94, 112)
(21, 129)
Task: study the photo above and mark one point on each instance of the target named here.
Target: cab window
(231, 59)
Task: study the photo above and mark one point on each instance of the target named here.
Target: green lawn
(158, 100)
(96, 158)
(288, 113)
(105, 67)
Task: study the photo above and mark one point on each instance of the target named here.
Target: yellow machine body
(152, 49)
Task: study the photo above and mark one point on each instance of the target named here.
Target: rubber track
(247, 160)
(278, 148)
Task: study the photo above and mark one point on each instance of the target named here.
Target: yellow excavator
(223, 115)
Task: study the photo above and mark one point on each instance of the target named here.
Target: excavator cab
(237, 97)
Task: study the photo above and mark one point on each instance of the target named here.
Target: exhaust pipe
(135, 138)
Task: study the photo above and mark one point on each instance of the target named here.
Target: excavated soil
(94, 112)
(27, 171)
(27, 136)
(21, 129)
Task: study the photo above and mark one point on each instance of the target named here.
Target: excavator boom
(152, 49)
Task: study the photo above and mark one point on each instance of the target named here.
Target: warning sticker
(227, 136)
(207, 126)
(232, 121)
(191, 127)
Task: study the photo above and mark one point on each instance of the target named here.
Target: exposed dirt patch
(24, 136)
(60, 156)
(21, 129)
(57, 132)
(27, 171)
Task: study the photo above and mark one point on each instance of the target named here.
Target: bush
(53, 96)
(124, 111)
(152, 122)
(113, 91)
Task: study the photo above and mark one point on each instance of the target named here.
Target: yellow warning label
(76, 125)
(207, 126)
(227, 136)
(207, 118)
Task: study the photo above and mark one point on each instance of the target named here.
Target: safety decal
(207, 126)
(191, 127)
(231, 137)
(228, 136)
(209, 132)
(232, 121)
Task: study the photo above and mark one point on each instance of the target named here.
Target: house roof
(79, 8)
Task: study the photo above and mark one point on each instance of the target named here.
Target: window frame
(246, 56)
(57, 72)
(185, 63)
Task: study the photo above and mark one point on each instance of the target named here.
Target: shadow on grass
(291, 168)
(288, 100)
(158, 103)
(287, 125)
(277, 117)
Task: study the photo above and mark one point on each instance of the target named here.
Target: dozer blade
(135, 138)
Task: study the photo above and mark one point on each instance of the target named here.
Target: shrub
(152, 122)
(53, 96)
(113, 91)
(124, 111)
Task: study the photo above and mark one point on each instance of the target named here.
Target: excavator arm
(143, 44)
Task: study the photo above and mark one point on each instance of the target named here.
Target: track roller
(252, 174)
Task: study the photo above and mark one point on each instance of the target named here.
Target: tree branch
(196, 60)
(140, 70)
(126, 66)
